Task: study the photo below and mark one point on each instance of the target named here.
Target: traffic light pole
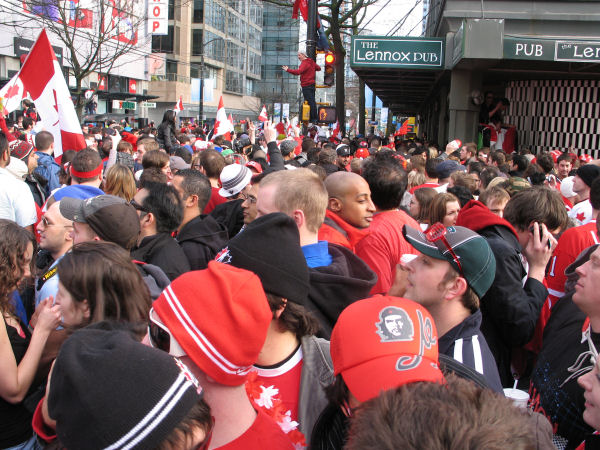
(311, 32)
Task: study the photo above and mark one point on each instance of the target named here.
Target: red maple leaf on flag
(580, 216)
(12, 91)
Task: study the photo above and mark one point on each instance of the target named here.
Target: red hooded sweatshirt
(476, 216)
(306, 71)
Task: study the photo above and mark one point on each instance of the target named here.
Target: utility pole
(311, 31)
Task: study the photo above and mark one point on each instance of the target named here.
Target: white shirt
(16, 200)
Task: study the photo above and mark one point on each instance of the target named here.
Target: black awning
(401, 90)
(124, 96)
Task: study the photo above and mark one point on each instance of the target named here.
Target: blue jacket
(49, 169)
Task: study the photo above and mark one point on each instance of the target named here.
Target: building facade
(279, 48)
(218, 41)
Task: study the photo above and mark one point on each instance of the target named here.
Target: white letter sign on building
(158, 17)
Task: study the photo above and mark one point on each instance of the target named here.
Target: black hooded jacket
(162, 251)
(334, 287)
(510, 308)
(201, 239)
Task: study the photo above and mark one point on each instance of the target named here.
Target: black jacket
(553, 390)
(510, 309)
(332, 288)
(165, 136)
(37, 184)
(231, 215)
(201, 238)
(162, 251)
(466, 344)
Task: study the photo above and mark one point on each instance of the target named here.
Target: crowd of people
(265, 291)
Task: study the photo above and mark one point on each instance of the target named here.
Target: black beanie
(270, 247)
(588, 173)
(108, 390)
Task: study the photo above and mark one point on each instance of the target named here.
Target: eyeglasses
(437, 235)
(161, 338)
(249, 198)
(47, 224)
(138, 207)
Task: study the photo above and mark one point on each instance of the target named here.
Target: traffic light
(329, 77)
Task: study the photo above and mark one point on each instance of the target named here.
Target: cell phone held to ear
(541, 235)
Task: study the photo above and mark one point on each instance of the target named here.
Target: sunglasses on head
(437, 235)
(161, 338)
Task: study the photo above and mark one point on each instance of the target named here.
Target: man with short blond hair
(337, 276)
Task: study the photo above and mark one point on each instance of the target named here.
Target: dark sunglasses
(138, 207)
(160, 337)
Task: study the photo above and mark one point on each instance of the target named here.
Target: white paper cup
(519, 398)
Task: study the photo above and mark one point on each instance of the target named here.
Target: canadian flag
(232, 129)
(263, 117)
(42, 78)
(401, 131)
(222, 125)
(337, 132)
(178, 105)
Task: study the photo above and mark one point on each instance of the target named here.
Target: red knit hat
(20, 149)
(219, 316)
(384, 342)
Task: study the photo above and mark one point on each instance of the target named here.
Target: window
(236, 27)
(196, 42)
(254, 38)
(171, 68)
(254, 63)
(172, 10)
(163, 44)
(256, 13)
(238, 5)
(214, 15)
(250, 86)
(214, 46)
(234, 82)
(198, 11)
(236, 56)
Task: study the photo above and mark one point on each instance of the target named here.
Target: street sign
(373, 122)
(150, 105)
(119, 104)
(396, 52)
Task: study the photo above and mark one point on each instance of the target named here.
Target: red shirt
(262, 435)
(215, 199)
(276, 391)
(571, 243)
(426, 185)
(385, 245)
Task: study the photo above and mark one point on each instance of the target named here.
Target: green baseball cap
(465, 250)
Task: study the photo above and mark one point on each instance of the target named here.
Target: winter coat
(334, 287)
(201, 239)
(512, 305)
(165, 136)
(162, 251)
(306, 70)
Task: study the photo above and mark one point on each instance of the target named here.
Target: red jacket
(306, 71)
(336, 230)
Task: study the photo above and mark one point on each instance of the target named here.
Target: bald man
(349, 209)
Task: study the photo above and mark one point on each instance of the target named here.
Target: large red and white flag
(12, 94)
(263, 117)
(178, 105)
(232, 128)
(42, 77)
(222, 125)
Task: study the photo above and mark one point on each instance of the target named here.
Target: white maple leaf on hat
(266, 396)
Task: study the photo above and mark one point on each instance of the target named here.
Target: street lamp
(201, 99)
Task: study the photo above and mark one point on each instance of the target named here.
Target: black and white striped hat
(234, 178)
(108, 391)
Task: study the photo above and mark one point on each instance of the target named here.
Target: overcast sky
(386, 16)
